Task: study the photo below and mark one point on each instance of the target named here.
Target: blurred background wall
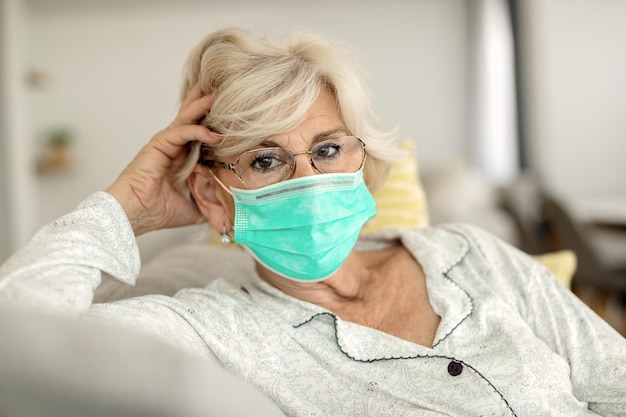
(101, 77)
(575, 93)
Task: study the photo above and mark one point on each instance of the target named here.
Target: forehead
(322, 121)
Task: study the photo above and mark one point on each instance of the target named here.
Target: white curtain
(492, 143)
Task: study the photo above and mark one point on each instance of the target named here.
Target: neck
(385, 290)
(353, 282)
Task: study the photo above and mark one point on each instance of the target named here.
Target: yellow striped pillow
(401, 201)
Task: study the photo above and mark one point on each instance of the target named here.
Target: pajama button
(455, 368)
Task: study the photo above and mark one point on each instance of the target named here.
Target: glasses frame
(233, 166)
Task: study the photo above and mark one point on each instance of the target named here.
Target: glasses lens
(345, 154)
(261, 167)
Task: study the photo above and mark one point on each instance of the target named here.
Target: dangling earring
(225, 238)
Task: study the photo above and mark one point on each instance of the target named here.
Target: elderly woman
(272, 147)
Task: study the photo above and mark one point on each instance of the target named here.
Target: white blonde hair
(264, 88)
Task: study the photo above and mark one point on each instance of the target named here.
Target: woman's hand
(145, 188)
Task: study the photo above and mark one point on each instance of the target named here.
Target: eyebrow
(322, 136)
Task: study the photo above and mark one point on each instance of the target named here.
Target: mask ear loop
(225, 237)
(221, 184)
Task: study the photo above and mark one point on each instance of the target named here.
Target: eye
(266, 161)
(326, 150)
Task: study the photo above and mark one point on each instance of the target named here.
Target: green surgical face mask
(305, 228)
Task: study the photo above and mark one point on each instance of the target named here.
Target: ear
(212, 200)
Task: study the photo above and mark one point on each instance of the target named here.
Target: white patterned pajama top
(512, 341)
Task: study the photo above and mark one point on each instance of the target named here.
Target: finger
(171, 141)
(195, 111)
(193, 94)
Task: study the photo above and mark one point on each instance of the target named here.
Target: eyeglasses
(261, 167)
